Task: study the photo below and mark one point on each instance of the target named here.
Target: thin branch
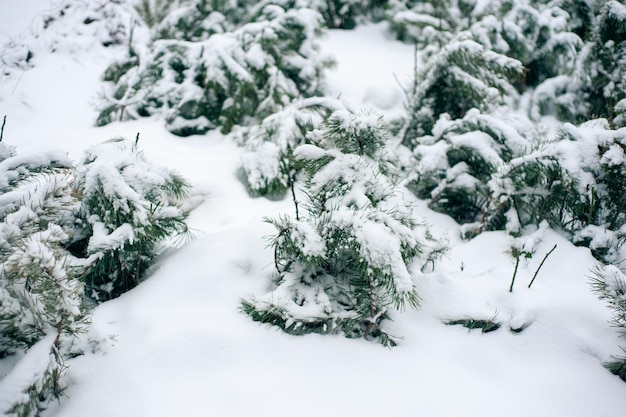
(515, 271)
(541, 264)
(4, 122)
(372, 319)
(292, 185)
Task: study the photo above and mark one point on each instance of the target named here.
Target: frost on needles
(345, 262)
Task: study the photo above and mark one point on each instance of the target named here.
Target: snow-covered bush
(41, 293)
(345, 262)
(609, 284)
(267, 166)
(576, 182)
(345, 14)
(495, 175)
(455, 164)
(128, 206)
(64, 227)
(427, 22)
(602, 72)
(460, 76)
(195, 20)
(537, 35)
(224, 80)
(35, 207)
(68, 26)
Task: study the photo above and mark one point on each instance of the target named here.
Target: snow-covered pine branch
(128, 205)
(346, 263)
(267, 166)
(223, 80)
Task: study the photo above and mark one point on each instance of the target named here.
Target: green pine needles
(128, 207)
(221, 78)
(41, 294)
(68, 232)
(464, 70)
(344, 264)
(267, 166)
(609, 284)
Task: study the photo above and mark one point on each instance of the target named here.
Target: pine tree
(454, 167)
(344, 263)
(267, 166)
(427, 22)
(224, 80)
(41, 294)
(63, 228)
(128, 206)
(346, 14)
(463, 69)
(602, 71)
(574, 182)
(66, 26)
(536, 34)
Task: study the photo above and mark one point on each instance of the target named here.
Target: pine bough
(344, 264)
(67, 231)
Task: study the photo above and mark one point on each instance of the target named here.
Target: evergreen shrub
(68, 231)
(344, 264)
(222, 79)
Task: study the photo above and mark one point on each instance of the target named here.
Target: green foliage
(345, 14)
(490, 176)
(63, 228)
(127, 207)
(344, 264)
(153, 11)
(454, 167)
(602, 72)
(39, 382)
(475, 76)
(536, 35)
(485, 326)
(495, 174)
(267, 166)
(41, 293)
(609, 284)
(427, 22)
(197, 20)
(224, 80)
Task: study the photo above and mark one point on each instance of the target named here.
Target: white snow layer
(178, 345)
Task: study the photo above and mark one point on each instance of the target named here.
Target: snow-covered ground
(177, 345)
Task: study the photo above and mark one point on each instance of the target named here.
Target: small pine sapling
(223, 79)
(41, 292)
(267, 166)
(454, 166)
(602, 69)
(128, 206)
(345, 263)
(464, 69)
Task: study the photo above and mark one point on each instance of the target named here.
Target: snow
(26, 372)
(16, 20)
(178, 344)
(364, 78)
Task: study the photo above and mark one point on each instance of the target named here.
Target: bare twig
(292, 185)
(4, 122)
(515, 271)
(541, 264)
